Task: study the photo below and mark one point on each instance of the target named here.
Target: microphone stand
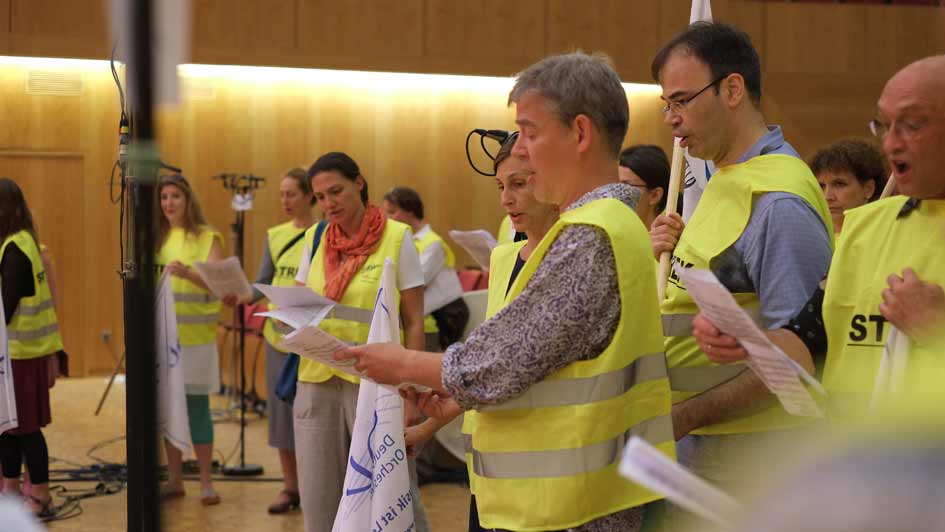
(242, 187)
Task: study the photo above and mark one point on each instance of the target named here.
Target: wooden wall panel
(496, 37)
(5, 41)
(261, 31)
(818, 39)
(77, 28)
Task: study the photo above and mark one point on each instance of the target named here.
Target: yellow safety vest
(351, 319)
(547, 460)
(197, 309)
(501, 264)
(429, 323)
(725, 210)
(875, 243)
(33, 331)
(285, 261)
(506, 232)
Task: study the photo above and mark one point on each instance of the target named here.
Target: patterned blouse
(568, 311)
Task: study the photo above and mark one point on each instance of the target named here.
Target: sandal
(281, 507)
(209, 497)
(45, 510)
(166, 493)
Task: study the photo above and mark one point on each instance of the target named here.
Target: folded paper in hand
(478, 243)
(296, 306)
(224, 277)
(778, 371)
(313, 343)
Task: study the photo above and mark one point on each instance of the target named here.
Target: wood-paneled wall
(824, 68)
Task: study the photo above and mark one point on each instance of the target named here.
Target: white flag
(376, 496)
(8, 420)
(172, 403)
(698, 171)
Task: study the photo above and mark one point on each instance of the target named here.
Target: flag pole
(890, 186)
(675, 178)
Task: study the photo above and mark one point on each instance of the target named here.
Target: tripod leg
(111, 380)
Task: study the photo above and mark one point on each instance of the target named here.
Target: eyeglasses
(675, 106)
(906, 129)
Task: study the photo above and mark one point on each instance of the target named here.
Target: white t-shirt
(409, 273)
(442, 284)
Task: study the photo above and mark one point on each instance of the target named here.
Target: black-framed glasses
(680, 104)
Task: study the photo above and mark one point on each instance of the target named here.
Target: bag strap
(317, 239)
(288, 246)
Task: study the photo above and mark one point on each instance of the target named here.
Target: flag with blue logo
(172, 401)
(376, 495)
(8, 420)
(698, 171)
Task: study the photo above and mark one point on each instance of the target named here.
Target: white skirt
(201, 368)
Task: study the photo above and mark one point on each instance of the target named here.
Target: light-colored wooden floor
(75, 430)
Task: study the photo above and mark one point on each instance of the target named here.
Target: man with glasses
(888, 270)
(762, 226)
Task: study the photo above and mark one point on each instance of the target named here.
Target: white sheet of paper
(296, 306)
(224, 277)
(779, 373)
(478, 243)
(313, 343)
(644, 464)
(8, 418)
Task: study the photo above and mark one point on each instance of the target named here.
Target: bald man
(889, 267)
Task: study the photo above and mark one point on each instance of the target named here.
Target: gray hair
(580, 84)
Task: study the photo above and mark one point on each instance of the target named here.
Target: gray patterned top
(568, 311)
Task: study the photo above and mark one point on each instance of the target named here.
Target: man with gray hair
(570, 365)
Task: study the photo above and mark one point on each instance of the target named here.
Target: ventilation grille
(50, 83)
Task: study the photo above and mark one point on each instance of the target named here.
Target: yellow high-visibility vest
(285, 261)
(547, 460)
(33, 331)
(877, 242)
(351, 319)
(197, 309)
(429, 323)
(501, 264)
(725, 209)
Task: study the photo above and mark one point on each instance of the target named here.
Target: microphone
(497, 135)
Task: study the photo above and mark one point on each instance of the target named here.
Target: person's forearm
(741, 396)
(425, 369)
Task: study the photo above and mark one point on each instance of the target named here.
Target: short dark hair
(406, 199)
(580, 84)
(301, 179)
(343, 164)
(651, 164)
(859, 157)
(724, 48)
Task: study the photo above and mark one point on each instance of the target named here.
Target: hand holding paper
(311, 342)
(779, 372)
(296, 306)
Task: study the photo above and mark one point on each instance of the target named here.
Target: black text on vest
(861, 326)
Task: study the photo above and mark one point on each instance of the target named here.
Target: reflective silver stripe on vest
(344, 312)
(568, 462)
(681, 324)
(34, 334)
(181, 297)
(32, 310)
(579, 391)
(467, 443)
(196, 319)
(702, 378)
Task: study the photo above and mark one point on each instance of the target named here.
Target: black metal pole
(141, 391)
(243, 469)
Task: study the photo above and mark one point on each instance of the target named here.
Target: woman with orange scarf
(346, 267)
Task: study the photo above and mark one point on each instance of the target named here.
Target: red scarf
(344, 256)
